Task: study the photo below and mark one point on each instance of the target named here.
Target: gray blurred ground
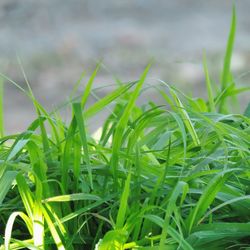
(56, 40)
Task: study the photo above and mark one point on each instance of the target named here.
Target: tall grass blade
(54, 231)
(9, 226)
(181, 187)
(186, 119)
(226, 78)
(66, 158)
(88, 87)
(82, 130)
(208, 85)
(117, 139)
(123, 204)
(38, 225)
(26, 195)
(226, 73)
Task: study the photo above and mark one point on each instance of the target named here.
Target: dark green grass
(169, 176)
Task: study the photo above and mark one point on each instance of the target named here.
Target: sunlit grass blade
(72, 197)
(38, 225)
(9, 226)
(53, 230)
(21, 244)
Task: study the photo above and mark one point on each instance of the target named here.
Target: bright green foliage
(157, 177)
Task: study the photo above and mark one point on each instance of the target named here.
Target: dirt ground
(58, 40)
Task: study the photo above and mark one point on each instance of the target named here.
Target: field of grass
(170, 176)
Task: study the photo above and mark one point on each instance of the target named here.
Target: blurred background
(58, 40)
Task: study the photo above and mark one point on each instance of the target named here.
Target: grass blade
(181, 187)
(117, 140)
(226, 73)
(216, 233)
(207, 198)
(53, 230)
(120, 219)
(186, 118)
(88, 87)
(102, 103)
(72, 197)
(208, 85)
(9, 226)
(5, 183)
(82, 130)
(25, 194)
(170, 230)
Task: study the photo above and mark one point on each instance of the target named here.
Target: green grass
(169, 176)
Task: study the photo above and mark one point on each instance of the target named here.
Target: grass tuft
(169, 176)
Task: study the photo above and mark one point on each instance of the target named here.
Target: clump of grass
(157, 177)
